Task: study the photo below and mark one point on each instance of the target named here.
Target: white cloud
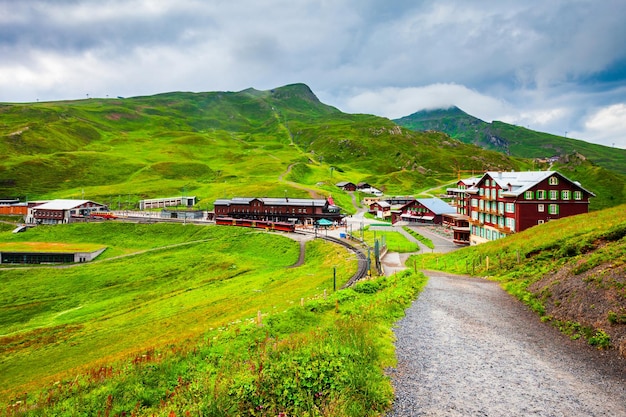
(395, 102)
(607, 126)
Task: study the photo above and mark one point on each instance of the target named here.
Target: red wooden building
(293, 210)
(422, 210)
(380, 209)
(502, 203)
(63, 211)
(457, 194)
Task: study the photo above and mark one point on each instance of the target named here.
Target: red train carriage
(258, 224)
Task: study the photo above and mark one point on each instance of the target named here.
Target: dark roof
(273, 201)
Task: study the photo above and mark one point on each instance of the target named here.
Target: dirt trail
(466, 348)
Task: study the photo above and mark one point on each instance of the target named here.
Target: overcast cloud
(557, 66)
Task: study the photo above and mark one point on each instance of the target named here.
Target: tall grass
(324, 358)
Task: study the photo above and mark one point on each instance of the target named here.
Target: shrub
(600, 339)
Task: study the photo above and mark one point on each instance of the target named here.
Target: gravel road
(467, 348)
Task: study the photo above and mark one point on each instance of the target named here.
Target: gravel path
(466, 348)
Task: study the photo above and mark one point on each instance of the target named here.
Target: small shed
(346, 186)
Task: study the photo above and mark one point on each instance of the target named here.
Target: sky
(556, 66)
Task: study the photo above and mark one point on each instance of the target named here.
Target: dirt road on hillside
(466, 348)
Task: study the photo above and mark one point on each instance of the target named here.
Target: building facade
(457, 194)
(292, 210)
(422, 210)
(380, 209)
(62, 211)
(186, 201)
(502, 203)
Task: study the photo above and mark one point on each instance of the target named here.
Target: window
(481, 192)
(510, 223)
(578, 195)
(481, 205)
(510, 208)
(493, 193)
(500, 208)
(541, 194)
(565, 195)
(553, 181)
(540, 208)
(528, 195)
(554, 194)
(553, 209)
(500, 193)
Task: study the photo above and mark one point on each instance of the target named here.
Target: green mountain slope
(599, 168)
(511, 139)
(217, 144)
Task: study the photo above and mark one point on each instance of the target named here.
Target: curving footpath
(467, 348)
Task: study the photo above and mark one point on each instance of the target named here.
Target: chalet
(186, 201)
(368, 201)
(460, 226)
(502, 203)
(422, 210)
(294, 210)
(362, 185)
(346, 186)
(381, 209)
(457, 194)
(62, 211)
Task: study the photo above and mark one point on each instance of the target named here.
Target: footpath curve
(467, 348)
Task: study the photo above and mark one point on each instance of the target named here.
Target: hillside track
(361, 257)
(467, 348)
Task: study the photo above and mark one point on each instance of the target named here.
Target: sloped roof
(437, 205)
(64, 204)
(516, 183)
(318, 202)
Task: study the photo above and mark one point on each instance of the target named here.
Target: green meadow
(178, 320)
(154, 285)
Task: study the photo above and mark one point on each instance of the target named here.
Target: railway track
(363, 263)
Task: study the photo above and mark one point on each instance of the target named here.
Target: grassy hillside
(217, 144)
(172, 282)
(571, 271)
(173, 328)
(603, 172)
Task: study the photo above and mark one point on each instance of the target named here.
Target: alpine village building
(292, 210)
(502, 203)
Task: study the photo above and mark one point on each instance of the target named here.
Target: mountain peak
(298, 90)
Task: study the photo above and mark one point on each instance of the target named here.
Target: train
(258, 224)
(102, 215)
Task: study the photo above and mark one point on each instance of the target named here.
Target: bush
(600, 339)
